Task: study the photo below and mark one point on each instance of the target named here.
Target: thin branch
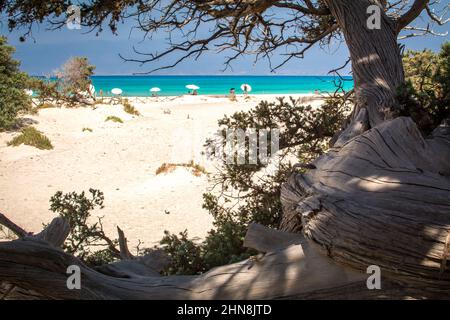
(18, 231)
(439, 20)
(417, 7)
(421, 32)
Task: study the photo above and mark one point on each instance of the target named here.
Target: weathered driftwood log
(37, 269)
(55, 234)
(382, 198)
(151, 264)
(123, 245)
(32, 264)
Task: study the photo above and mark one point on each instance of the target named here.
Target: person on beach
(233, 94)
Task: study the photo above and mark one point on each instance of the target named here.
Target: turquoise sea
(217, 85)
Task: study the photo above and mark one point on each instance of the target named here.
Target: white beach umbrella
(244, 86)
(29, 92)
(192, 87)
(155, 89)
(116, 91)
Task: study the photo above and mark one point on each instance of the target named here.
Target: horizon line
(209, 75)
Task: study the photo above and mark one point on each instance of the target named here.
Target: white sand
(120, 160)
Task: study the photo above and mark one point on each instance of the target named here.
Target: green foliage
(426, 95)
(70, 87)
(47, 92)
(185, 254)
(114, 119)
(84, 235)
(13, 84)
(87, 129)
(74, 78)
(129, 108)
(249, 193)
(31, 137)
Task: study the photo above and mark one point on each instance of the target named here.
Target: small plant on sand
(87, 129)
(114, 119)
(129, 108)
(196, 169)
(46, 105)
(32, 137)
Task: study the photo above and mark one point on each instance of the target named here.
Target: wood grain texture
(35, 266)
(376, 60)
(382, 198)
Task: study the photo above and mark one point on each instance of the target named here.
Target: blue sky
(49, 49)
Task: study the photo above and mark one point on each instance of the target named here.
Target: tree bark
(381, 199)
(378, 197)
(375, 55)
(290, 268)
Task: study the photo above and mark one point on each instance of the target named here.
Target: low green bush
(425, 96)
(114, 119)
(31, 137)
(129, 108)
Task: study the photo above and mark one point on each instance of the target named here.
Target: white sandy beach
(120, 160)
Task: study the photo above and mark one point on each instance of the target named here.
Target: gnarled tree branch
(417, 7)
